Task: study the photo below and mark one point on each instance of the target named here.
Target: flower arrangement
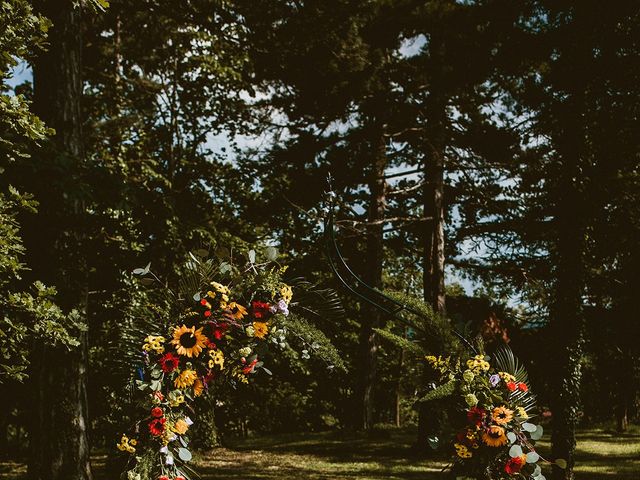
(493, 436)
(218, 334)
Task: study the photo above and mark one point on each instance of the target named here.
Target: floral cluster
(215, 338)
(493, 435)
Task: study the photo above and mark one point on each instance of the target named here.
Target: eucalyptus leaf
(184, 454)
(252, 256)
(529, 427)
(515, 451)
(271, 253)
(537, 435)
(532, 457)
(512, 437)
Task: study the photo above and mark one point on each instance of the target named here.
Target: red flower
(511, 386)
(249, 368)
(156, 426)
(169, 362)
(220, 331)
(476, 415)
(158, 395)
(156, 412)
(260, 309)
(163, 477)
(523, 387)
(203, 302)
(514, 465)
(207, 313)
(179, 478)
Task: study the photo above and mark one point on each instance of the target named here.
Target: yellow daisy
(287, 293)
(188, 341)
(260, 329)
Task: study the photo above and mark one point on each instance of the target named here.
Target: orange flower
(502, 415)
(494, 436)
(260, 329)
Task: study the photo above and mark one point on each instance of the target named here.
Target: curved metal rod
(332, 249)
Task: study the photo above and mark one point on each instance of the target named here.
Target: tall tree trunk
(58, 436)
(372, 317)
(566, 312)
(433, 260)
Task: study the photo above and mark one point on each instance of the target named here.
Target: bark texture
(58, 436)
(372, 317)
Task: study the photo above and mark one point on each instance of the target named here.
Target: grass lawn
(332, 456)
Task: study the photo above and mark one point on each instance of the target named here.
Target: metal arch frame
(367, 293)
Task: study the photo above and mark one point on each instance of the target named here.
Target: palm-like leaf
(505, 361)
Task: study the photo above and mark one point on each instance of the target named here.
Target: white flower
(164, 450)
(169, 460)
(250, 331)
(245, 351)
(188, 421)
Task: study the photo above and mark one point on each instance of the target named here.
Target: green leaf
(515, 450)
(532, 457)
(537, 435)
(184, 454)
(271, 253)
(561, 463)
(441, 391)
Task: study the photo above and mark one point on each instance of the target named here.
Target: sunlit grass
(601, 455)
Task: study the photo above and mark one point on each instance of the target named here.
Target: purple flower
(281, 307)
(494, 379)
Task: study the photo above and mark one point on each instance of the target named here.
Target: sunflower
(185, 379)
(494, 436)
(502, 415)
(198, 387)
(237, 310)
(260, 329)
(188, 341)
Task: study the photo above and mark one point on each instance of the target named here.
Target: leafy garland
(490, 409)
(219, 333)
(481, 406)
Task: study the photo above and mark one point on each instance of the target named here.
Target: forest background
(484, 155)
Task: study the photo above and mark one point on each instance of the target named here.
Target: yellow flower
(521, 412)
(188, 341)
(502, 415)
(127, 445)
(236, 310)
(478, 364)
(260, 329)
(217, 358)
(154, 343)
(494, 436)
(176, 400)
(185, 379)
(287, 293)
(506, 377)
(198, 387)
(462, 451)
(181, 427)
(218, 287)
